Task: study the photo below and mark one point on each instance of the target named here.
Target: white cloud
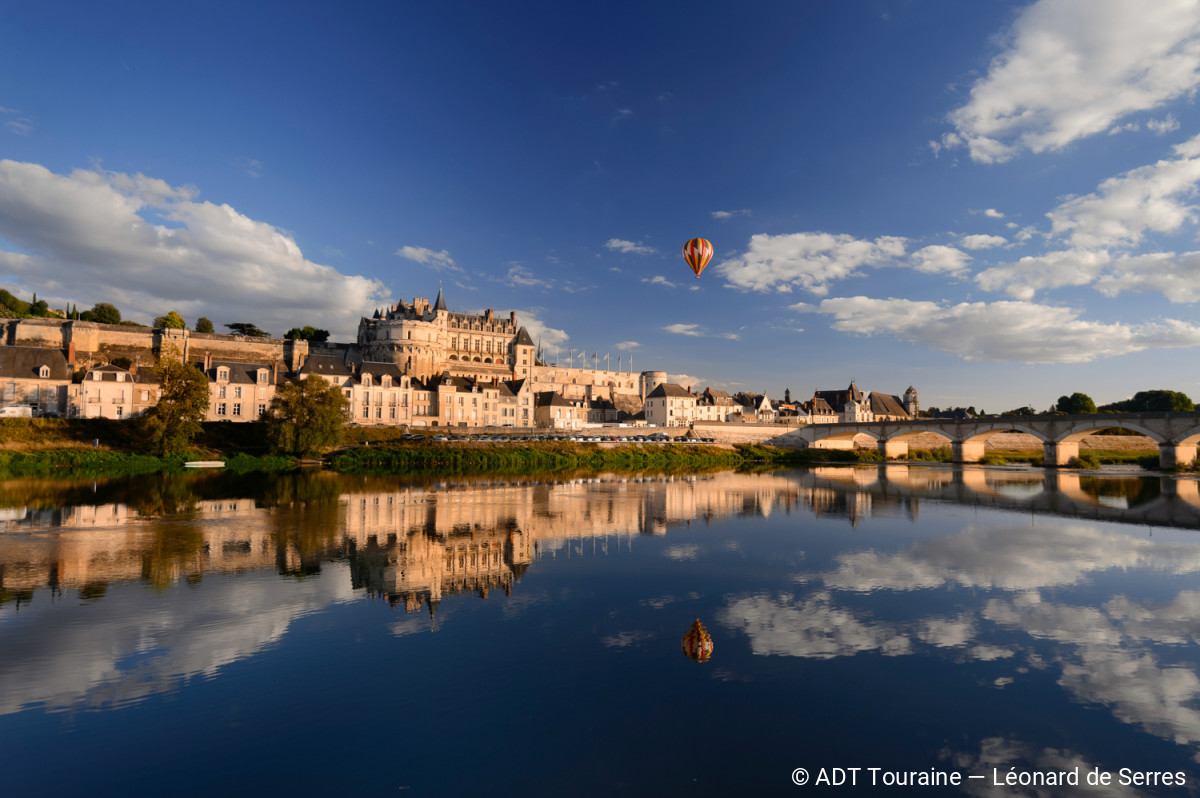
(438, 260)
(251, 166)
(1051, 270)
(1176, 277)
(148, 247)
(1021, 332)
(521, 277)
(697, 331)
(1163, 126)
(939, 259)
(1073, 68)
(992, 213)
(628, 247)
(22, 125)
(983, 241)
(1150, 197)
(626, 346)
(658, 279)
(730, 214)
(551, 340)
(809, 261)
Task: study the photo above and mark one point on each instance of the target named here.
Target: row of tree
(1141, 402)
(1081, 404)
(303, 418)
(108, 313)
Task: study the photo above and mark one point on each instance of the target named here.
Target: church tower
(912, 402)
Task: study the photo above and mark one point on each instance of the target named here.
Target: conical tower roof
(441, 303)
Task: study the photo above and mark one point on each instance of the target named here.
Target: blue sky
(994, 202)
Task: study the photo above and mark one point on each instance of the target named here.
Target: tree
(306, 417)
(247, 329)
(1152, 402)
(204, 325)
(105, 313)
(171, 425)
(171, 321)
(1075, 403)
(308, 333)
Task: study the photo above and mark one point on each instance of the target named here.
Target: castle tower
(651, 380)
(523, 354)
(912, 402)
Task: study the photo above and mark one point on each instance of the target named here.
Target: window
(366, 412)
(237, 393)
(220, 408)
(145, 396)
(392, 412)
(237, 408)
(221, 392)
(44, 372)
(120, 377)
(262, 410)
(96, 376)
(222, 374)
(379, 412)
(262, 375)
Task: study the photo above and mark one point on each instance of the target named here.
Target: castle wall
(580, 383)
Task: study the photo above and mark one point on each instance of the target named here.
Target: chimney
(207, 360)
(512, 315)
(71, 354)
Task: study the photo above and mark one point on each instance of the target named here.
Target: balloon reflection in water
(698, 643)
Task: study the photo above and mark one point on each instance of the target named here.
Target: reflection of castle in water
(413, 545)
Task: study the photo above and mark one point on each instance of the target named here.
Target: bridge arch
(1080, 430)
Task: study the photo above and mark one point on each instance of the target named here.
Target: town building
(854, 405)
(670, 405)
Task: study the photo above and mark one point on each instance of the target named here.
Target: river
(319, 634)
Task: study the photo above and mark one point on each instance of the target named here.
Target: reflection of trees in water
(1135, 490)
(173, 549)
(304, 521)
(163, 494)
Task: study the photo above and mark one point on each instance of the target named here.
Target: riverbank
(40, 447)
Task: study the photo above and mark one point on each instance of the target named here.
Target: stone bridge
(1177, 434)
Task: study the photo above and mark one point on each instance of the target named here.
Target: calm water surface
(318, 634)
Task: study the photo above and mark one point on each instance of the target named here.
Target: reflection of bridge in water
(1158, 500)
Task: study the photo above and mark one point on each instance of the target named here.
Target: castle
(415, 363)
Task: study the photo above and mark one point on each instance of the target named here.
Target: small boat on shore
(204, 464)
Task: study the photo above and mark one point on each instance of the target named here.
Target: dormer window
(96, 376)
(44, 372)
(120, 377)
(222, 374)
(366, 380)
(387, 382)
(262, 375)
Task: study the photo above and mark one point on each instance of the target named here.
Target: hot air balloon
(698, 252)
(698, 643)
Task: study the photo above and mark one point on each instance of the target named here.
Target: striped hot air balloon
(698, 252)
